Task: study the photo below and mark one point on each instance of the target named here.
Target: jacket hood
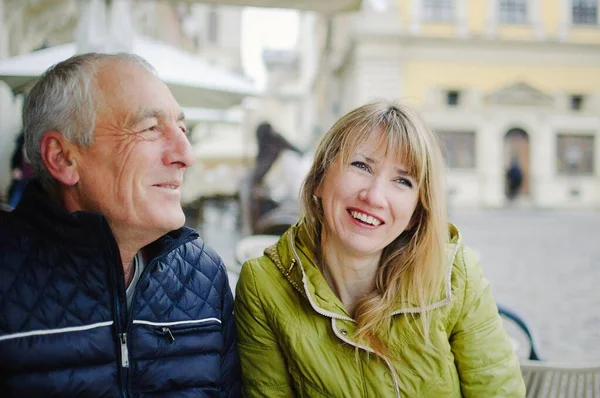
(294, 256)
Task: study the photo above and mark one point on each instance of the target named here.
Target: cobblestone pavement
(545, 265)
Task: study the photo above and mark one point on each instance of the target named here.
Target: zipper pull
(124, 350)
(169, 335)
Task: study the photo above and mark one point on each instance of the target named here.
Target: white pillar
(565, 19)
(104, 28)
(415, 17)
(535, 18)
(492, 18)
(3, 33)
(120, 27)
(462, 20)
(90, 35)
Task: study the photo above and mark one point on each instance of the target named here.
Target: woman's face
(368, 202)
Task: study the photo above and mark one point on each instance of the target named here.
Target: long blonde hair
(412, 267)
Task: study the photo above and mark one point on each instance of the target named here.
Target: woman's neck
(349, 277)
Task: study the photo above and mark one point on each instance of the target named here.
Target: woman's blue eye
(405, 181)
(360, 165)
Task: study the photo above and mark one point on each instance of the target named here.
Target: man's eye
(360, 165)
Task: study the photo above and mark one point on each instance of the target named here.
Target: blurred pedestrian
(270, 147)
(103, 291)
(373, 293)
(514, 177)
(20, 171)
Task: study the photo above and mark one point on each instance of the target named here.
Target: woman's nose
(373, 194)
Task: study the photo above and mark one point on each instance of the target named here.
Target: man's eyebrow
(145, 114)
(153, 113)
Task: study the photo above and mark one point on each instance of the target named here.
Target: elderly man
(103, 292)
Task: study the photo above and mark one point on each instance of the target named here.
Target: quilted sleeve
(230, 361)
(486, 362)
(264, 371)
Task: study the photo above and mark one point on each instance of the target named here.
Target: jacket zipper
(190, 236)
(335, 316)
(124, 332)
(118, 284)
(124, 350)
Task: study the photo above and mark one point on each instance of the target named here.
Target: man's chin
(170, 221)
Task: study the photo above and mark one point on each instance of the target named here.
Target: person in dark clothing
(21, 172)
(103, 291)
(270, 146)
(514, 176)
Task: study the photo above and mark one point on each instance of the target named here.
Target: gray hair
(63, 100)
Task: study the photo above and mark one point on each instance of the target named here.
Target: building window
(438, 10)
(575, 154)
(576, 102)
(513, 11)
(452, 97)
(585, 12)
(212, 26)
(459, 149)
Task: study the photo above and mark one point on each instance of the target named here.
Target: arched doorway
(516, 151)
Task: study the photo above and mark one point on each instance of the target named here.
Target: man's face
(133, 171)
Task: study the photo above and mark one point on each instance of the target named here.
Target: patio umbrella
(193, 82)
(321, 6)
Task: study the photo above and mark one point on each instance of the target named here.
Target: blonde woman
(372, 293)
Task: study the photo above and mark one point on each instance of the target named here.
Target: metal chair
(547, 380)
(551, 380)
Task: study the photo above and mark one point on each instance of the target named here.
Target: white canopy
(193, 82)
(321, 6)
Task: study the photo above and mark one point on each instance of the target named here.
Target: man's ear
(59, 157)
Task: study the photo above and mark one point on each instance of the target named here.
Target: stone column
(120, 27)
(3, 33)
(462, 18)
(415, 17)
(535, 18)
(492, 18)
(104, 26)
(565, 21)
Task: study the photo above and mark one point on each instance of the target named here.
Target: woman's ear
(317, 192)
(59, 157)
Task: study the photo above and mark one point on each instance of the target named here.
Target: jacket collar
(81, 228)
(294, 256)
(53, 220)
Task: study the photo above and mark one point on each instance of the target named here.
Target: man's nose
(180, 150)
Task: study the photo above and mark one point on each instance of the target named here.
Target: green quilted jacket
(297, 339)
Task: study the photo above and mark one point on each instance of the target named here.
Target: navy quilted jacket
(64, 327)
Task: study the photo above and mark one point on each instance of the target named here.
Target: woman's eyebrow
(399, 169)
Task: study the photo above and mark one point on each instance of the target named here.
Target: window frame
(582, 7)
(453, 159)
(438, 11)
(586, 146)
(509, 12)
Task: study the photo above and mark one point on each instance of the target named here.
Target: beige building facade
(498, 80)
